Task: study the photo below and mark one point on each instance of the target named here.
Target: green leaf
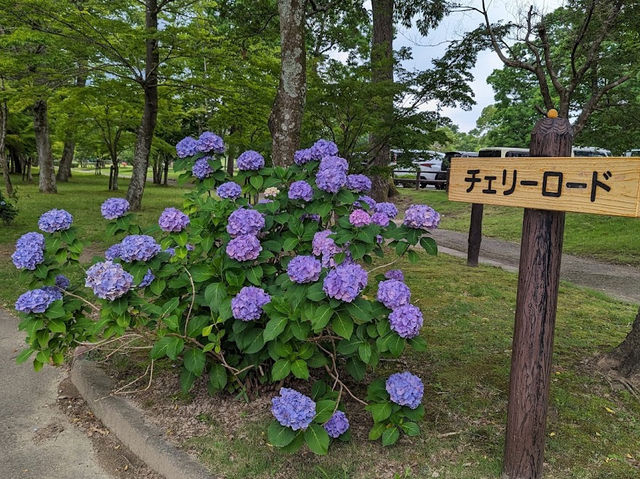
(194, 361)
(217, 377)
(254, 275)
(161, 346)
(321, 317)
(419, 344)
(376, 431)
(56, 310)
(175, 347)
(256, 182)
(343, 326)
(280, 370)
(390, 436)
(411, 429)
(275, 327)
(317, 439)
(429, 245)
(196, 324)
(380, 412)
(401, 247)
(316, 293)
(324, 410)
(201, 272)
(57, 327)
(289, 244)
(169, 306)
(396, 345)
(280, 436)
(364, 351)
(187, 379)
(256, 343)
(299, 369)
(214, 294)
(158, 286)
(414, 414)
(24, 355)
(356, 368)
(360, 309)
(413, 256)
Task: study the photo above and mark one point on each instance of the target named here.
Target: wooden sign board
(598, 185)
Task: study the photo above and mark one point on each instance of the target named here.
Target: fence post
(537, 299)
(417, 179)
(475, 234)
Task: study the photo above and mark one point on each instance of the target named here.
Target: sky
(453, 27)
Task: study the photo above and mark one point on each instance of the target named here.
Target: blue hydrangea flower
(62, 282)
(108, 280)
(304, 269)
(322, 148)
(331, 180)
(358, 183)
(388, 209)
(29, 251)
(186, 147)
(250, 160)
(405, 389)
(170, 251)
(113, 208)
(394, 274)
(300, 190)
(345, 282)
(244, 248)
(147, 279)
(406, 321)
(421, 217)
(113, 252)
(293, 409)
(55, 220)
(325, 247)
(301, 157)
(210, 142)
(229, 190)
(138, 248)
(337, 425)
(244, 221)
(173, 220)
(367, 200)
(334, 163)
(380, 219)
(359, 218)
(311, 217)
(201, 169)
(247, 304)
(393, 293)
(37, 300)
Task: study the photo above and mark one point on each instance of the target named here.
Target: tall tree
(4, 113)
(64, 166)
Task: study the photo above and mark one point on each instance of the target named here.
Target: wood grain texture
(623, 199)
(475, 234)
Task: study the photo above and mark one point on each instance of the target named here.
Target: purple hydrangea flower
(405, 389)
(113, 252)
(421, 217)
(264, 201)
(345, 282)
(300, 190)
(201, 169)
(147, 279)
(210, 142)
(337, 425)
(186, 147)
(358, 183)
(247, 304)
(138, 248)
(370, 202)
(108, 280)
(245, 222)
(334, 163)
(55, 220)
(359, 218)
(37, 300)
(380, 219)
(170, 251)
(304, 269)
(301, 157)
(311, 217)
(330, 180)
(244, 248)
(406, 320)
(250, 160)
(388, 209)
(114, 208)
(293, 409)
(229, 190)
(324, 246)
(62, 282)
(394, 274)
(173, 220)
(322, 148)
(393, 293)
(29, 251)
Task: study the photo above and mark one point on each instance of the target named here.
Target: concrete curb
(127, 423)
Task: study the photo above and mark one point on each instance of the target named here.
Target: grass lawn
(608, 238)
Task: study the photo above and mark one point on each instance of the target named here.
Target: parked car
(502, 152)
(446, 164)
(632, 152)
(406, 163)
(589, 151)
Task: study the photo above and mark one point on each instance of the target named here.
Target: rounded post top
(553, 113)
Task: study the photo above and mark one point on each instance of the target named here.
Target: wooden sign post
(546, 185)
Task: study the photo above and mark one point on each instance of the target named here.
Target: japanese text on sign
(602, 185)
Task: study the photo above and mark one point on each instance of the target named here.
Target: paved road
(618, 281)
(36, 439)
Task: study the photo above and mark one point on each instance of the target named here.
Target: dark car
(446, 163)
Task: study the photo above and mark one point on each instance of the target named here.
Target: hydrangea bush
(248, 292)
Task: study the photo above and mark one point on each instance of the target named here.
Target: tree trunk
(285, 120)
(116, 171)
(47, 182)
(627, 354)
(64, 168)
(150, 113)
(4, 111)
(382, 73)
(166, 162)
